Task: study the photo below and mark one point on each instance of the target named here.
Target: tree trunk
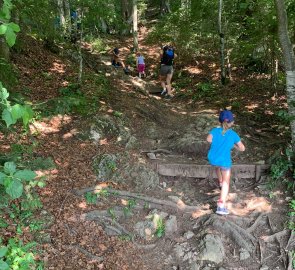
(61, 11)
(289, 60)
(221, 35)
(80, 51)
(135, 26)
(67, 14)
(4, 49)
(165, 7)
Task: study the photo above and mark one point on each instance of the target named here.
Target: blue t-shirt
(221, 146)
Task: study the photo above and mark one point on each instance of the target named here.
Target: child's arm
(240, 146)
(209, 138)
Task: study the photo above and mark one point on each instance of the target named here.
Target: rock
(158, 214)
(132, 143)
(211, 249)
(188, 235)
(264, 267)
(171, 225)
(151, 155)
(195, 266)
(244, 254)
(104, 166)
(179, 251)
(145, 229)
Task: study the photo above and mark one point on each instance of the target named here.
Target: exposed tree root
(255, 224)
(235, 232)
(180, 205)
(88, 254)
(276, 236)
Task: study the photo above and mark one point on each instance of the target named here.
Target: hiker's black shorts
(165, 70)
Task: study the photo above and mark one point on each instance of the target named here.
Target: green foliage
(283, 169)
(130, 205)
(7, 74)
(284, 117)
(292, 215)
(11, 114)
(17, 256)
(91, 197)
(160, 229)
(97, 44)
(13, 180)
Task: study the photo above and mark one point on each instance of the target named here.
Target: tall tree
(135, 25)
(221, 35)
(289, 60)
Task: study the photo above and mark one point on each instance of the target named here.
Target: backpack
(168, 56)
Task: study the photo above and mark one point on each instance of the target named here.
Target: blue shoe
(222, 211)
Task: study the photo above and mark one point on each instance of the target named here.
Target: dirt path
(141, 219)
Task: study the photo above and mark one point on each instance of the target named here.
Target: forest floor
(253, 236)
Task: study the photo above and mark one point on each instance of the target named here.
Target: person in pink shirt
(140, 64)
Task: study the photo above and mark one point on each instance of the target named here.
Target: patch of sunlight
(65, 83)
(103, 142)
(52, 126)
(252, 106)
(70, 134)
(268, 112)
(199, 213)
(58, 67)
(169, 189)
(82, 205)
(124, 202)
(176, 111)
(193, 70)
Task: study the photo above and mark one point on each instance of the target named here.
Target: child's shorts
(141, 67)
(222, 168)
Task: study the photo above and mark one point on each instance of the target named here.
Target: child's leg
(219, 176)
(225, 186)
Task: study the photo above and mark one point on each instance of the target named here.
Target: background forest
(241, 39)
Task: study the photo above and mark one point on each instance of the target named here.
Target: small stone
(164, 184)
(151, 156)
(264, 267)
(188, 235)
(244, 254)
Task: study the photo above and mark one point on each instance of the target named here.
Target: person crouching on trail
(166, 70)
(117, 61)
(222, 140)
(140, 64)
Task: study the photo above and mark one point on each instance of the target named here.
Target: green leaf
(9, 167)
(27, 114)
(25, 175)
(15, 189)
(3, 265)
(4, 93)
(3, 28)
(3, 251)
(7, 117)
(15, 27)
(10, 37)
(17, 111)
(2, 177)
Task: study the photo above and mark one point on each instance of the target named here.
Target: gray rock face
(104, 166)
(170, 225)
(145, 229)
(211, 249)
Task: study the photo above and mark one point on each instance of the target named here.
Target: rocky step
(248, 171)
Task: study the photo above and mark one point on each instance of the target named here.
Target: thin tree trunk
(80, 51)
(4, 49)
(67, 14)
(135, 26)
(221, 35)
(62, 20)
(289, 60)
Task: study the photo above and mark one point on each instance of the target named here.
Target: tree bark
(221, 35)
(165, 7)
(289, 60)
(135, 26)
(4, 48)
(61, 11)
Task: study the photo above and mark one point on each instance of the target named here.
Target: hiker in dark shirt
(117, 61)
(166, 70)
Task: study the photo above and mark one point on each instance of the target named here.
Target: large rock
(211, 249)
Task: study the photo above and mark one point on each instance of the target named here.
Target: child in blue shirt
(222, 140)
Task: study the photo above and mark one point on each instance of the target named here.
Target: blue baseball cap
(226, 116)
